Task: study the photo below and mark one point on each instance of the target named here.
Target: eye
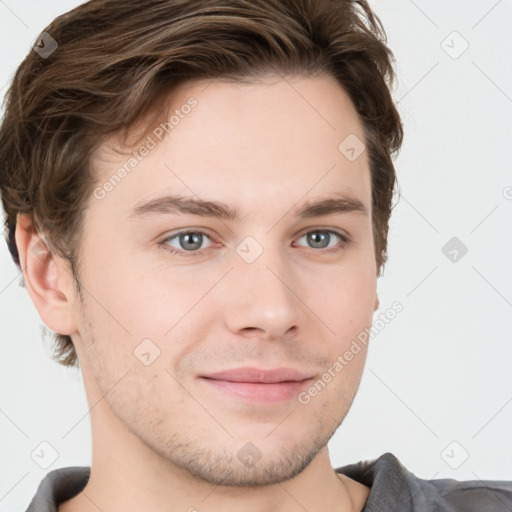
(322, 238)
(188, 242)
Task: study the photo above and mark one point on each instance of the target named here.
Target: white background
(441, 370)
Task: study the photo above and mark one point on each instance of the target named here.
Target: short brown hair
(114, 57)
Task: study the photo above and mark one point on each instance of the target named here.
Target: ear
(47, 277)
(376, 306)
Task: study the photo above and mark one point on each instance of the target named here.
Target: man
(198, 194)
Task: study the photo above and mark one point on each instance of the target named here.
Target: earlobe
(48, 281)
(376, 306)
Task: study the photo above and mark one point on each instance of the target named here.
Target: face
(174, 293)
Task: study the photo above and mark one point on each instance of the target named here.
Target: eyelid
(340, 232)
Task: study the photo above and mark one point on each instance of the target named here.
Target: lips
(257, 375)
(258, 386)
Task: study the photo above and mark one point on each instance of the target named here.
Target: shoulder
(57, 486)
(394, 487)
(474, 495)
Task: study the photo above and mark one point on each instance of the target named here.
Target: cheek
(348, 311)
(140, 322)
(345, 301)
(133, 300)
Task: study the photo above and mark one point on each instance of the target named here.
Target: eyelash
(345, 241)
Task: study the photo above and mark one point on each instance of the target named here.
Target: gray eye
(320, 239)
(188, 241)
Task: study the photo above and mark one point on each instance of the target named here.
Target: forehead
(274, 138)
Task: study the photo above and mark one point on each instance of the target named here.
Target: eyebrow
(170, 204)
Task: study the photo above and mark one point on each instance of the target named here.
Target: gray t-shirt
(392, 489)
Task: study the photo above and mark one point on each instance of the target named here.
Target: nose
(262, 298)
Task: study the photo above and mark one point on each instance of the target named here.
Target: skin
(162, 439)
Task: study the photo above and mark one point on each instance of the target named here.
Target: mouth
(259, 385)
